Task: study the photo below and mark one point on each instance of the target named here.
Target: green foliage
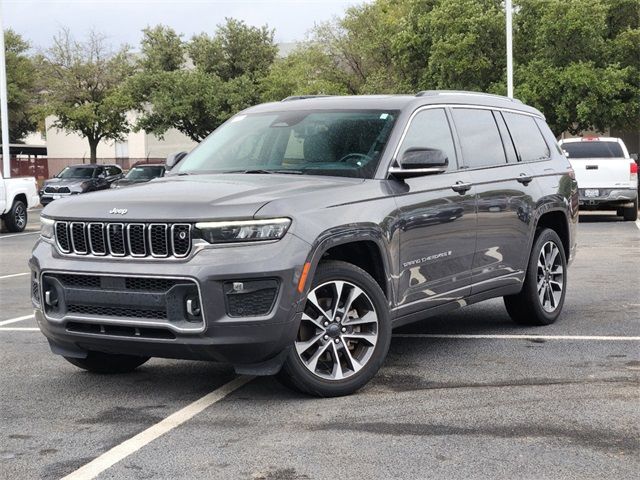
(162, 49)
(21, 87)
(84, 87)
(226, 76)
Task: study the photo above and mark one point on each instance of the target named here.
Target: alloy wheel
(550, 277)
(20, 216)
(338, 332)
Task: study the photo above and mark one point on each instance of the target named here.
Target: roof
(393, 102)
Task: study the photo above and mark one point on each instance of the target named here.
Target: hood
(123, 182)
(66, 182)
(194, 198)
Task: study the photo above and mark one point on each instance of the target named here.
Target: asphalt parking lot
(466, 395)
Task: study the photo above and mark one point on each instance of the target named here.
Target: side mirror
(417, 162)
(173, 159)
(634, 156)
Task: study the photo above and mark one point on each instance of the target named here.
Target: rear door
(504, 194)
(437, 237)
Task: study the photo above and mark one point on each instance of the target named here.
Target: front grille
(255, 298)
(116, 311)
(57, 190)
(124, 239)
(138, 300)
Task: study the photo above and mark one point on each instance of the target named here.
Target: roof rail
(433, 93)
(303, 97)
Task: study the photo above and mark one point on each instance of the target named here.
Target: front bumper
(613, 197)
(243, 341)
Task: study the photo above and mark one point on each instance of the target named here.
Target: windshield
(76, 172)
(342, 143)
(144, 173)
(593, 149)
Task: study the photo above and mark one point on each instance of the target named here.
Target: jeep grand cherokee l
(299, 233)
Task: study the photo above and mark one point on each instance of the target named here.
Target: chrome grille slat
(135, 240)
(78, 238)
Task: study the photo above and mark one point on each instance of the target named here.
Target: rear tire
(630, 214)
(107, 363)
(16, 218)
(542, 296)
(344, 335)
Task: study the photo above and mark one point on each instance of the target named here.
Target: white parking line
(14, 320)
(638, 223)
(126, 448)
(19, 329)
(612, 338)
(18, 234)
(14, 275)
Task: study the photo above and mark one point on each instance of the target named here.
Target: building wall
(70, 148)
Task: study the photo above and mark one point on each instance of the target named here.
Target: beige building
(65, 148)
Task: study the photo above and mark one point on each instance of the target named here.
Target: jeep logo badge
(118, 211)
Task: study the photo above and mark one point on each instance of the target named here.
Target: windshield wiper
(260, 171)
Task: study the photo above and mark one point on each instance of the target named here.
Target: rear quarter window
(527, 137)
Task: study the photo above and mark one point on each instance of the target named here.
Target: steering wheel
(355, 157)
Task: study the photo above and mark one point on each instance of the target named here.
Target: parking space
(466, 395)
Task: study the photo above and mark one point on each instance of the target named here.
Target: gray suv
(300, 233)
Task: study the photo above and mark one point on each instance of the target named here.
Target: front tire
(630, 214)
(542, 296)
(107, 363)
(344, 334)
(16, 218)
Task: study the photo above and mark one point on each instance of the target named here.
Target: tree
(226, 76)
(84, 88)
(21, 87)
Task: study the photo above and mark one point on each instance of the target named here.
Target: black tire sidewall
(296, 373)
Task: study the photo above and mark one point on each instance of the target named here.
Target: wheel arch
(364, 247)
(556, 219)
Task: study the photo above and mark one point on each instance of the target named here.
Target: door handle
(524, 179)
(461, 187)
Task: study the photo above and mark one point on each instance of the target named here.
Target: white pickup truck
(607, 175)
(16, 196)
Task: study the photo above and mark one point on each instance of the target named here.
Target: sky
(122, 20)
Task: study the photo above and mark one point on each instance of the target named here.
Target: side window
(507, 141)
(114, 171)
(97, 172)
(527, 137)
(430, 129)
(479, 137)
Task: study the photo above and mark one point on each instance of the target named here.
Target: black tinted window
(593, 149)
(479, 137)
(527, 137)
(430, 129)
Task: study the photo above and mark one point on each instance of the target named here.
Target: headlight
(243, 231)
(46, 227)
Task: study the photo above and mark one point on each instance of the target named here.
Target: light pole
(509, 11)
(4, 111)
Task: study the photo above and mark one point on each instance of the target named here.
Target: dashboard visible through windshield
(337, 143)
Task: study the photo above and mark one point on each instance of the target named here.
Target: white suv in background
(607, 175)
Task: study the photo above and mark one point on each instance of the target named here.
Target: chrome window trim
(84, 234)
(66, 227)
(394, 157)
(112, 321)
(128, 237)
(124, 243)
(173, 248)
(93, 252)
(165, 226)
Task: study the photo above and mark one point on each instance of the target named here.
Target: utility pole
(4, 111)
(509, 11)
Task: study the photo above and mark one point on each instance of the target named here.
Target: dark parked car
(140, 174)
(299, 233)
(76, 179)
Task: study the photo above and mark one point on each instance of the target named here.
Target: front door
(437, 222)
